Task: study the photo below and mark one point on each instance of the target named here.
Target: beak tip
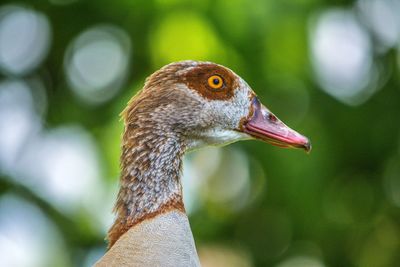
(262, 125)
(307, 146)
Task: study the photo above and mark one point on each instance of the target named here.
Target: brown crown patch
(197, 79)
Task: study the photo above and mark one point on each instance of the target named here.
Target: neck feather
(150, 184)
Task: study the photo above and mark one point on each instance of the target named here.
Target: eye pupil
(215, 82)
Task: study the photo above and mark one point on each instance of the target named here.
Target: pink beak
(264, 125)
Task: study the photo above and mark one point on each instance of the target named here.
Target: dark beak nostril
(272, 117)
(263, 124)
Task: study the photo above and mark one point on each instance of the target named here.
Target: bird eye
(215, 82)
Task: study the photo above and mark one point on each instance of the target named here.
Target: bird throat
(150, 184)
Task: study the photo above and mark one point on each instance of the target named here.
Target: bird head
(206, 104)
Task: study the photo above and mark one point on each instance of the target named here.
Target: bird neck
(151, 163)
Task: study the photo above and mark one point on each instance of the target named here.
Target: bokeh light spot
(382, 18)
(24, 39)
(185, 35)
(27, 237)
(301, 261)
(97, 62)
(381, 246)
(61, 165)
(342, 57)
(195, 175)
(223, 256)
(18, 122)
(229, 184)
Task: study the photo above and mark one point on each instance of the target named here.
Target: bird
(182, 107)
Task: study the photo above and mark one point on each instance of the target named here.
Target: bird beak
(264, 125)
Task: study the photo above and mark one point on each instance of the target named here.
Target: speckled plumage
(168, 117)
(178, 110)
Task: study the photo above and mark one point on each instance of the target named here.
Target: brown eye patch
(211, 81)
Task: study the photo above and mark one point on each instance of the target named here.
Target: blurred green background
(329, 69)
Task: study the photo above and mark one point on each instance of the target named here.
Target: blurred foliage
(338, 206)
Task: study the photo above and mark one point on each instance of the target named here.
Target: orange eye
(215, 82)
